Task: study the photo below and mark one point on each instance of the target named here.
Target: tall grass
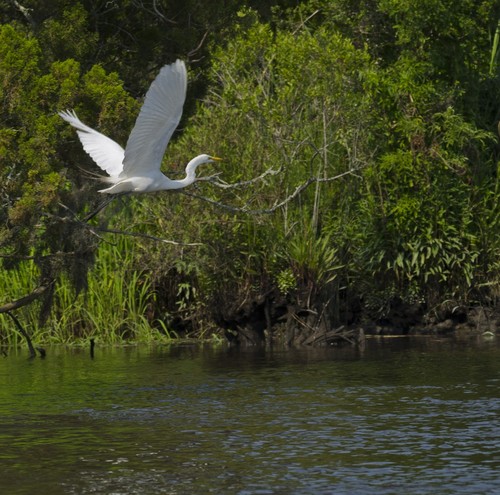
(15, 284)
(495, 50)
(113, 310)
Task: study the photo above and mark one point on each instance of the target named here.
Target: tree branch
(145, 236)
(93, 229)
(216, 181)
(23, 257)
(24, 11)
(23, 301)
(24, 333)
(277, 206)
(192, 52)
(234, 209)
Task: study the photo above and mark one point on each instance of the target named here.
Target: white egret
(137, 167)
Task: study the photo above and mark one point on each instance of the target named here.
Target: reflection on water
(401, 416)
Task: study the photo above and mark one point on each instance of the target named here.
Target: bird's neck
(176, 183)
(188, 180)
(191, 170)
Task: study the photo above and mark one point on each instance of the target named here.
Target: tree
(373, 125)
(38, 174)
(298, 97)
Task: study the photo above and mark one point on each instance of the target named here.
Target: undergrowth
(113, 309)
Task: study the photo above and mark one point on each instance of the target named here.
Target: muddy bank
(263, 323)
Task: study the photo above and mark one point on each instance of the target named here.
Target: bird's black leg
(100, 207)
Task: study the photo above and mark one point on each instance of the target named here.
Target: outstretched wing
(104, 151)
(157, 120)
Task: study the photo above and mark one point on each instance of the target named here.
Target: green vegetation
(114, 307)
(370, 129)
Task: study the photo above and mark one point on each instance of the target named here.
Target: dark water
(402, 416)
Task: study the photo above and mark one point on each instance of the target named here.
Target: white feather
(157, 121)
(137, 168)
(107, 153)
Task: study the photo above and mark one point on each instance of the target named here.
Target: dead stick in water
(24, 333)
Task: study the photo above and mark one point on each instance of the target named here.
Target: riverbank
(458, 320)
(295, 327)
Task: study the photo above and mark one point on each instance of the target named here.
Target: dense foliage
(367, 130)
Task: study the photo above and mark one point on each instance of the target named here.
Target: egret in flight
(137, 167)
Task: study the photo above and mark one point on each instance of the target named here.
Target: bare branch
(146, 236)
(303, 23)
(155, 11)
(23, 301)
(24, 333)
(25, 12)
(216, 181)
(200, 44)
(93, 229)
(277, 206)
(159, 14)
(265, 211)
(20, 257)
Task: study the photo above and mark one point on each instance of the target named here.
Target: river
(413, 416)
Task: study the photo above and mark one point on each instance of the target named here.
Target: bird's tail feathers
(96, 176)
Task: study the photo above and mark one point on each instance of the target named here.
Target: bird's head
(199, 160)
(210, 159)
